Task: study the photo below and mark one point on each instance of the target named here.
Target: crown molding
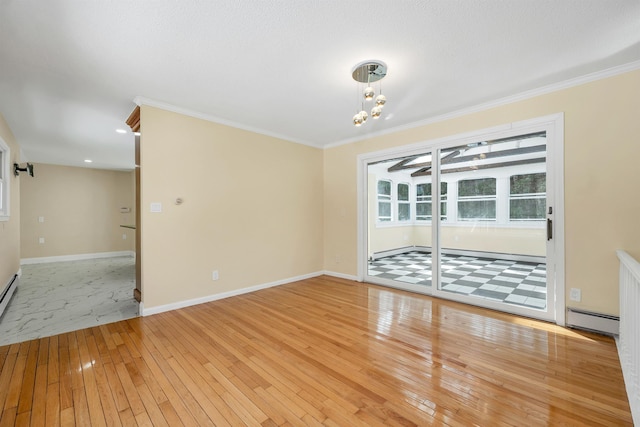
(566, 84)
(140, 101)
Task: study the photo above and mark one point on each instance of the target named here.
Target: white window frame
(384, 200)
(490, 198)
(5, 178)
(525, 196)
(444, 200)
(425, 200)
(403, 202)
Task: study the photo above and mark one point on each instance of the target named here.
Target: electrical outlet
(40, 219)
(124, 237)
(575, 294)
(41, 240)
(214, 275)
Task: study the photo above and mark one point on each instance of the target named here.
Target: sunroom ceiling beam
(427, 171)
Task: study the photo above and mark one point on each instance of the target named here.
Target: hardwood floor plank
(17, 378)
(53, 374)
(39, 406)
(4, 352)
(133, 399)
(22, 419)
(5, 377)
(98, 361)
(89, 366)
(67, 417)
(66, 396)
(28, 380)
(8, 417)
(208, 401)
(178, 394)
(117, 391)
(52, 408)
(171, 415)
(323, 351)
(151, 407)
(127, 418)
(166, 395)
(80, 407)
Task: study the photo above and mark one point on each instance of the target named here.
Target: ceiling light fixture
(121, 131)
(368, 72)
(88, 161)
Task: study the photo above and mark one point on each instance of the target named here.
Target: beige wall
(10, 230)
(81, 210)
(252, 208)
(602, 178)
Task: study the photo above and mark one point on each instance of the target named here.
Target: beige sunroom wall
(601, 178)
(516, 241)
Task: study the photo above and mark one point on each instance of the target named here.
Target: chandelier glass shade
(367, 74)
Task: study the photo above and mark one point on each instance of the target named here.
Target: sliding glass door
(399, 230)
(468, 220)
(492, 231)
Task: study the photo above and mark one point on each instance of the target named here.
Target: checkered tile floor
(513, 282)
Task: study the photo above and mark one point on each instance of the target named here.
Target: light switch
(156, 207)
(40, 219)
(41, 240)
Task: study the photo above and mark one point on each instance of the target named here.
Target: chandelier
(367, 73)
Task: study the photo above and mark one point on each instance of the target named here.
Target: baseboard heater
(7, 293)
(595, 322)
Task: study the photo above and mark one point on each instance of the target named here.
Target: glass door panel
(399, 243)
(492, 233)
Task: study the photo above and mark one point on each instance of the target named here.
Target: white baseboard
(222, 295)
(340, 275)
(392, 252)
(79, 257)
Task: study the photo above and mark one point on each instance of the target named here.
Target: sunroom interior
(492, 227)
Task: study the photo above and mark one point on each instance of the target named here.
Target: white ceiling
(70, 69)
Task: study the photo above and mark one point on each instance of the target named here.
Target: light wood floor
(323, 351)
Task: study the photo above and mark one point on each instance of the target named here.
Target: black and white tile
(59, 297)
(514, 282)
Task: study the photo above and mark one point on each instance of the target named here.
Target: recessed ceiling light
(88, 161)
(121, 131)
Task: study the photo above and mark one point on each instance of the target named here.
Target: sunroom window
(384, 200)
(477, 199)
(404, 204)
(527, 197)
(423, 202)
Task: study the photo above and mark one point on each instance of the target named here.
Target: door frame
(553, 125)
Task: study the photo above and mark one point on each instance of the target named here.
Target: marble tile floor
(59, 297)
